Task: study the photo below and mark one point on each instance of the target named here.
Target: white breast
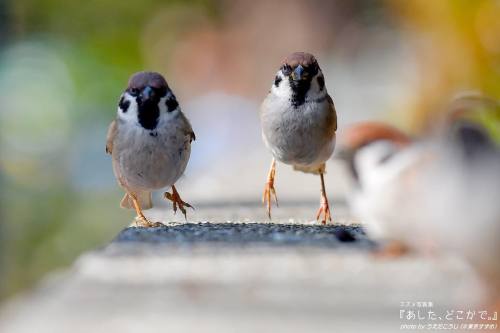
(298, 136)
(151, 159)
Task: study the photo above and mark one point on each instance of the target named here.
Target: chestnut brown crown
(364, 133)
(141, 80)
(300, 58)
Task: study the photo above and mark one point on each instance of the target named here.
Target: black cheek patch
(321, 82)
(171, 104)
(123, 104)
(277, 81)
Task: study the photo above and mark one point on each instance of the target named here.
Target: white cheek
(163, 105)
(314, 90)
(165, 115)
(283, 90)
(371, 173)
(130, 115)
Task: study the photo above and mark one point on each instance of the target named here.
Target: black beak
(146, 94)
(298, 73)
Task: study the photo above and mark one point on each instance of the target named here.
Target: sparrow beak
(146, 93)
(298, 73)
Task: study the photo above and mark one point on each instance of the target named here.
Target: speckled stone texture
(250, 234)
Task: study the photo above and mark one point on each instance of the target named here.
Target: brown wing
(333, 113)
(111, 136)
(192, 136)
(188, 130)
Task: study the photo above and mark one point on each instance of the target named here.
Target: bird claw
(324, 209)
(142, 221)
(177, 202)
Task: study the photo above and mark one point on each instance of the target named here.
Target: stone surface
(239, 276)
(248, 234)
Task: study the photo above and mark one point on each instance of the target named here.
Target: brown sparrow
(435, 194)
(298, 123)
(380, 165)
(149, 142)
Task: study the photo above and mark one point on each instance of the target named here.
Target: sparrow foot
(145, 223)
(324, 208)
(269, 189)
(141, 220)
(324, 211)
(177, 201)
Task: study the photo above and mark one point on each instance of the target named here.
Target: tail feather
(144, 198)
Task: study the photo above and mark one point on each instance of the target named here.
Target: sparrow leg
(269, 188)
(324, 208)
(141, 220)
(177, 201)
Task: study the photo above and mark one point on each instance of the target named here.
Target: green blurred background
(63, 65)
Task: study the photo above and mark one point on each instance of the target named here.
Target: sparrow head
(146, 100)
(300, 79)
(472, 106)
(472, 140)
(474, 119)
(367, 145)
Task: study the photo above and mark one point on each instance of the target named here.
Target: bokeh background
(63, 65)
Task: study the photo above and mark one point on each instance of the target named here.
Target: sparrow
(150, 143)
(299, 122)
(434, 194)
(430, 195)
(380, 164)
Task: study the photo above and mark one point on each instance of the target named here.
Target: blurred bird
(380, 164)
(299, 121)
(476, 109)
(433, 195)
(150, 143)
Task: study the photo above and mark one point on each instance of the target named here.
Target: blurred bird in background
(150, 143)
(299, 121)
(435, 194)
(378, 158)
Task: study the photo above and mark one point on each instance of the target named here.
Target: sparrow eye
(162, 92)
(171, 104)
(286, 69)
(134, 91)
(321, 82)
(314, 69)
